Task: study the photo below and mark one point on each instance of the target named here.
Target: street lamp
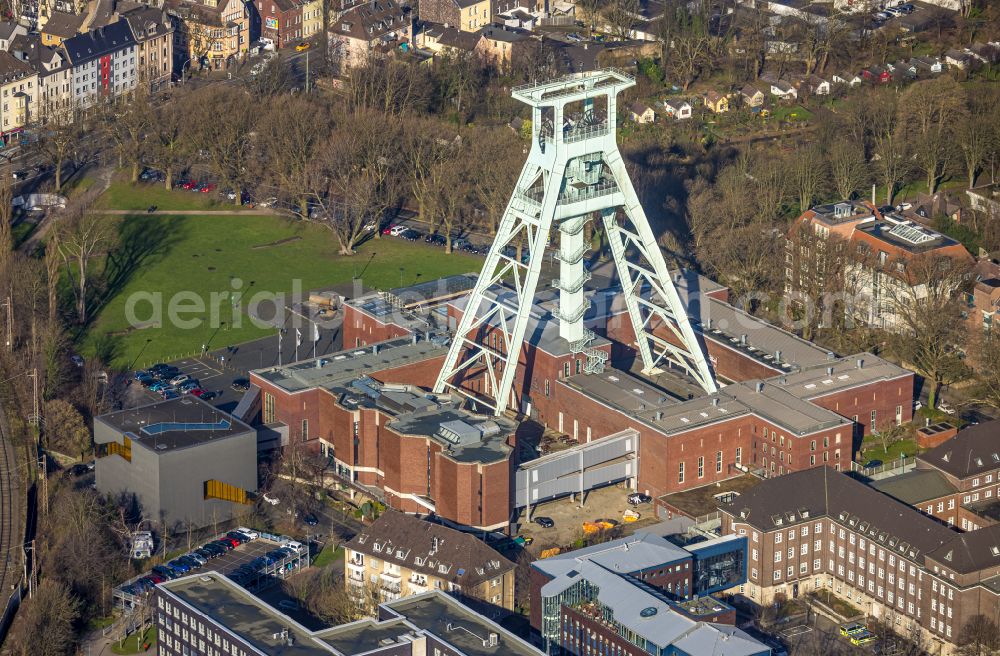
(182, 68)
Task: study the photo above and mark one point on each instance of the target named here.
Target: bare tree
(223, 120)
(978, 136)
(848, 169)
(985, 352)
(980, 636)
(928, 116)
(53, 260)
(498, 160)
(170, 145)
(621, 16)
(58, 140)
(127, 120)
(83, 235)
(807, 171)
(45, 626)
(6, 220)
(923, 302)
(295, 129)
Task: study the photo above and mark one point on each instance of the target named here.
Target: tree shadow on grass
(142, 240)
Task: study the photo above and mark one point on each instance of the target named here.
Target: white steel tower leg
(574, 170)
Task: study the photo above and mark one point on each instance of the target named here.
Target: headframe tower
(574, 173)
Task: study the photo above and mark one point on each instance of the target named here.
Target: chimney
(659, 415)
(759, 386)
(861, 363)
(743, 340)
(374, 349)
(777, 356)
(829, 371)
(715, 401)
(414, 338)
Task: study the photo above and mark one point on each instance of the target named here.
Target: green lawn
(123, 195)
(161, 256)
(873, 451)
(134, 643)
(328, 556)
(793, 113)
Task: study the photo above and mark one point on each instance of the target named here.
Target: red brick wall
(360, 329)
(603, 634)
(881, 396)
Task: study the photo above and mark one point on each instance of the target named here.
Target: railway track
(9, 558)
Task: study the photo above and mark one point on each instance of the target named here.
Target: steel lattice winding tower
(573, 173)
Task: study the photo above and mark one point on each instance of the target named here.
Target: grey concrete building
(185, 461)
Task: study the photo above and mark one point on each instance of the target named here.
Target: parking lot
(568, 515)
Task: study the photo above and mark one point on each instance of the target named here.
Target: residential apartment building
(207, 613)
(873, 259)
(153, 31)
(641, 595)
(371, 29)
(401, 555)
(823, 530)
(18, 96)
(55, 75)
(213, 34)
(312, 18)
(280, 21)
(103, 63)
(466, 15)
(500, 45)
(61, 26)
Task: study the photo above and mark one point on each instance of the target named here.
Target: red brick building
(820, 529)
(788, 404)
(280, 21)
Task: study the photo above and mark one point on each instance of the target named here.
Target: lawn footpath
(180, 262)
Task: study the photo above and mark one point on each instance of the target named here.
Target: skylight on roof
(911, 233)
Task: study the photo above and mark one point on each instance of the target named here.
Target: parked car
(249, 532)
(159, 386)
(189, 185)
(241, 384)
(238, 537)
(144, 378)
(164, 572)
(163, 372)
(179, 379)
(179, 566)
(397, 230)
(77, 361)
(872, 464)
(271, 500)
(305, 45)
(189, 385)
(310, 519)
(205, 554)
(637, 497)
(945, 408)
(544, 522)
(168, 394)
(206, 188)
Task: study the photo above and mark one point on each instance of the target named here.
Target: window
(718, 462)
(305, 430)
(873, 418)
(268, 408)
(701, 466)
(680, 472)
(739, 455)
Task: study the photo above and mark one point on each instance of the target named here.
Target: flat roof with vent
(174, 424)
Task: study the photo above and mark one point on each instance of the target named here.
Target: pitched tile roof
(97, 43)
(430, 548)
(972, 451)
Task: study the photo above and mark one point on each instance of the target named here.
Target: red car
(155, 578)
(388, 229)
(197, 391)
(190, 184)
(207, 188)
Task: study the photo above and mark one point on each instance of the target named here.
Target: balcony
(417, 584)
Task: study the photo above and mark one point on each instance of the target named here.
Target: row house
(153, 32)
(465, 15)
(18, 96)
(400, 555)
(823, 530)
(213, 34)
(103, 63)
(370, 29)
(55, 75)
(60, 26)
(280, 21)
(312, 18)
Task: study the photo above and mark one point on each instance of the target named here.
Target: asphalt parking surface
(241, 555)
